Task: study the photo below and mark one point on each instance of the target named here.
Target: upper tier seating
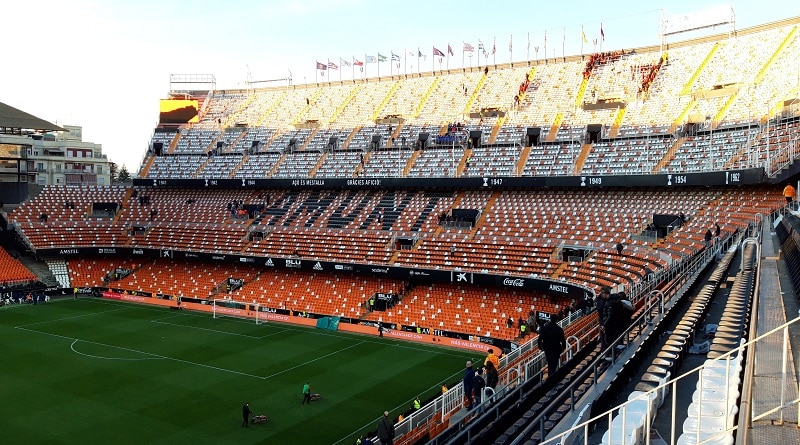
(696, 81)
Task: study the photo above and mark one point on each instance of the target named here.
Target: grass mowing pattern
(96, 371)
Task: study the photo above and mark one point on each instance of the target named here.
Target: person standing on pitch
(306, 393)
(246, 414)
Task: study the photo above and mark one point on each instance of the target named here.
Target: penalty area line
(72, 347)
(313, 360)
(186, 362)
(218, 331)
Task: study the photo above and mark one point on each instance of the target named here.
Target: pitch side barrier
(720, 178)
(266, 314)
(522, 283)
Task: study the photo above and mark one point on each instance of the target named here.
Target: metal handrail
(528, 364)
(672, 384)
(682, 273)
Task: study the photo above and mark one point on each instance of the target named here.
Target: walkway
(778, 304)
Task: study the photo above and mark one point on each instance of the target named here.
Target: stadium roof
(12, 118)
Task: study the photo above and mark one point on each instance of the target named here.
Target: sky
(104, 64)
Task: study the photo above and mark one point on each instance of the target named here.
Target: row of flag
(379, 58)
(467, 48)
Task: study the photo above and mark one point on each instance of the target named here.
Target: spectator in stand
(789, 193)
(610, 322)
(620, 247)
(478, 383)
(707, 237)
(553, 343)
(469, 377)
(573, 307)
(385, 429)
(532, 321)
(492, 378)
(491, 358)
(605, 292)
(717, 230)
(364, 440)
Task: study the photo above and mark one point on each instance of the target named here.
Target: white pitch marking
(314, 360)
(72, 346)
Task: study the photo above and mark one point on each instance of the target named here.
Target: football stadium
(593, 248)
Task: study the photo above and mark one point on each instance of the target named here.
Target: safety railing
(727, 366)
(518, 366)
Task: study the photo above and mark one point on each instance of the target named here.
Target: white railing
(727, 365)
(531, 364)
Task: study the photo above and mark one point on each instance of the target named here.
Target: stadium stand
(12, 271)
(715, 107)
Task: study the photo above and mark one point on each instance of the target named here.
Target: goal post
(223, 307)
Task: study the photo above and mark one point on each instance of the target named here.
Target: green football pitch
(93, 371)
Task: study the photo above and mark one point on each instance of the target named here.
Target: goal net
(222, 307)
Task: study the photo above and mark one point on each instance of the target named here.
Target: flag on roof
(395, 57)
(381, 57)
(419, 53)
(436, 52)
(468, 47)
(321, 66)
(357, 62)
(332, 66)
(450, 50)
(602, 34)
(371, 59)
(344, 62)
(480, 46)
(494, 48)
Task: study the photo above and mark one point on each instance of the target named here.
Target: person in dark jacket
(246, 414)
(478, 383)
(469, 377)
(609, 319)
(552, 342)
(602, 298)
(385, 429)
(492, 378)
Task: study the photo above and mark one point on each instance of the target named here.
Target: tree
(123, 175)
